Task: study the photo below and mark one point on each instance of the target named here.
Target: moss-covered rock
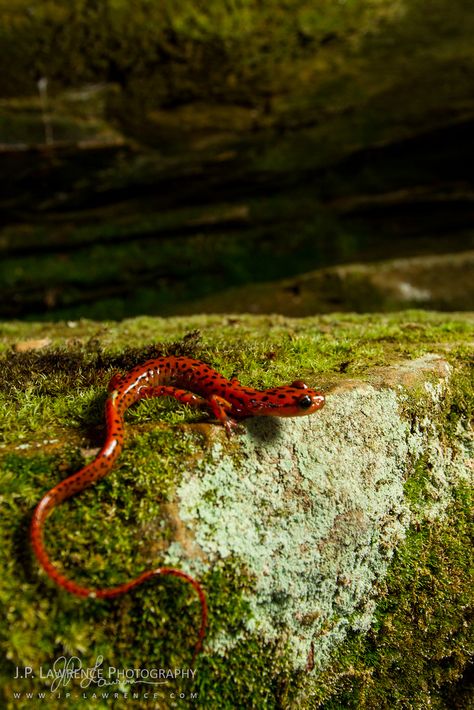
(275, 139)
(334, 549)
(434, 282)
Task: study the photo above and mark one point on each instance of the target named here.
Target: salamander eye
(305, 402)
(299, 385)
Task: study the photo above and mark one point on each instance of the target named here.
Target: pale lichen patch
(314, 502)
(312, 509)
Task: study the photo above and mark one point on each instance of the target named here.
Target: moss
(127, 522)
(415, 486)
(264, 113)
(423, 605)
(207, 51)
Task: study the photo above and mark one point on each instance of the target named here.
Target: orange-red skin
(190, 382)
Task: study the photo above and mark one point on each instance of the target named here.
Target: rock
(334, 549)
(436, 282)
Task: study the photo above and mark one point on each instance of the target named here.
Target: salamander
(190, 382)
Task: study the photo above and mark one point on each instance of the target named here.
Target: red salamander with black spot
(191, 382)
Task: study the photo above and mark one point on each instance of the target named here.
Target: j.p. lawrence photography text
(70, 671)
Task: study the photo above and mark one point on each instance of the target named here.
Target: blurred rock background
(161, 157)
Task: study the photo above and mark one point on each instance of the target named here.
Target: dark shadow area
(75, 245)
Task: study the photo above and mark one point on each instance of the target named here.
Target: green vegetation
(292, 61)
(51, 405)
(415, 653)
(239, 42)
(263, 129)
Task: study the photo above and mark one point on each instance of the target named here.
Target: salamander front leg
(218, 405)
(220, 408)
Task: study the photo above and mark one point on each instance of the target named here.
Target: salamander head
(292, 401)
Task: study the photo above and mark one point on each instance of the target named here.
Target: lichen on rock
(312, 509)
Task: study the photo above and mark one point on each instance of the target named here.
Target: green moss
(266, 109)
(423, 605)
(246, 39)
(415, 486)
(126, 523)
